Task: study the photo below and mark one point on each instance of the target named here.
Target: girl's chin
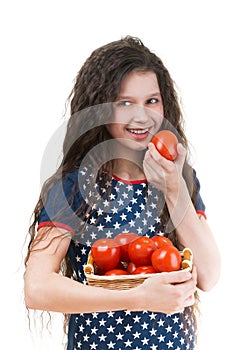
(133, 145)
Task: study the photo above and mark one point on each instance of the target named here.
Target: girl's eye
(152, 101)
(123, 103)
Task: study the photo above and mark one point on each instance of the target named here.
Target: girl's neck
(127, 170)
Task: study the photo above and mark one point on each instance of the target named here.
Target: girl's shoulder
(77, 174)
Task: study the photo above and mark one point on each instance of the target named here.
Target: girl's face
(138, 110)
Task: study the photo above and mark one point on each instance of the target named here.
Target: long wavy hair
(98, 83)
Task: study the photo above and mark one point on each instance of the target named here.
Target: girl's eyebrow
(122, 97)
(157, 93)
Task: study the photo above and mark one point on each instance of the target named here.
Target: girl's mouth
(138, 131)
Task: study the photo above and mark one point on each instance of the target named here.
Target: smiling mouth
(138, 131)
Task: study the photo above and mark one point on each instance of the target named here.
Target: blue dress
(133, 207)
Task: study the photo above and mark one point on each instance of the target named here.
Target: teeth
(137, 131)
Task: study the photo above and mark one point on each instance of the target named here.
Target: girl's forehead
(139, 81)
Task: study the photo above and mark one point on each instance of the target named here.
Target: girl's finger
(180, 159)
(156, 156)
(175, 277)
(189, 301)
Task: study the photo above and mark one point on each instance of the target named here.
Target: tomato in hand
(161, 241)
(166, 259)
(123, 239)
(105, 253)
(116, 272)
(140, 251)
(166, 143)
(143, 270)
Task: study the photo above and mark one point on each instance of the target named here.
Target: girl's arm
(193, 232)
(47, 289)
(192, 229)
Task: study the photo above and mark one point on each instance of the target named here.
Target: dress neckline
(132, 182)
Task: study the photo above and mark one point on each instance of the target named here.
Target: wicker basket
(127, 281)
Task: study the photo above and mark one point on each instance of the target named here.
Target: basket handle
(88, 268)
(187, 259)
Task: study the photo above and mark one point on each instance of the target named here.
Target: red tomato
(123, 240)
(106, 254)
(161, 241)
(166, 259)
(140, 251)
(166, 143)
(99, 271)
(131, 267)
(116, 272)
(143, 270)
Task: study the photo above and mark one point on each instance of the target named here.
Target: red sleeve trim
(201, 212)
(55, 224)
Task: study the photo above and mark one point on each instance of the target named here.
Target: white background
(43, 44)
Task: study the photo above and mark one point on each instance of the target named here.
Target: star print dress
(132, 207)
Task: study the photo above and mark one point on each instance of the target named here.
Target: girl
(111, 180)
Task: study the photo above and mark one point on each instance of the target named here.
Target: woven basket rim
(119, 277)
(125, 278)
(130, 276)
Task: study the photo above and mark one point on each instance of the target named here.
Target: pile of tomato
(129, 253)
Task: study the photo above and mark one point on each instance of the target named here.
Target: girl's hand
(164, 174)
(168, 293)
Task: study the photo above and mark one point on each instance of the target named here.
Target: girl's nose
(140, 114)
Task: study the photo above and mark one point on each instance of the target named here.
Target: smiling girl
(111, 180)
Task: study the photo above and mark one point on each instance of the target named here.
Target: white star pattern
(119, 320)
(125, 195)
(154, 347)
(114, 210)
(111, 329)
(108, 218)
(128, 343)
(145, 341)
(102, 322)
(161, 322)
(86, 338)
(94, 330)
(102, 337)
(136, 319)
(123, 217)
(170, 344)
(168, 329)
(100, 227)
(137, 215)
(138, 192)
(92, 221)
(111, 345)
(144, 325)
(128, 328)
(116, 225)
(153, 331)
(136, 335)
(119, 336)
(99, 212)
(129, 208)
(161, 338)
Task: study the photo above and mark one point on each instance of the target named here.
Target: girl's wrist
(178, 203)
(175, 191)
(135, 300)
